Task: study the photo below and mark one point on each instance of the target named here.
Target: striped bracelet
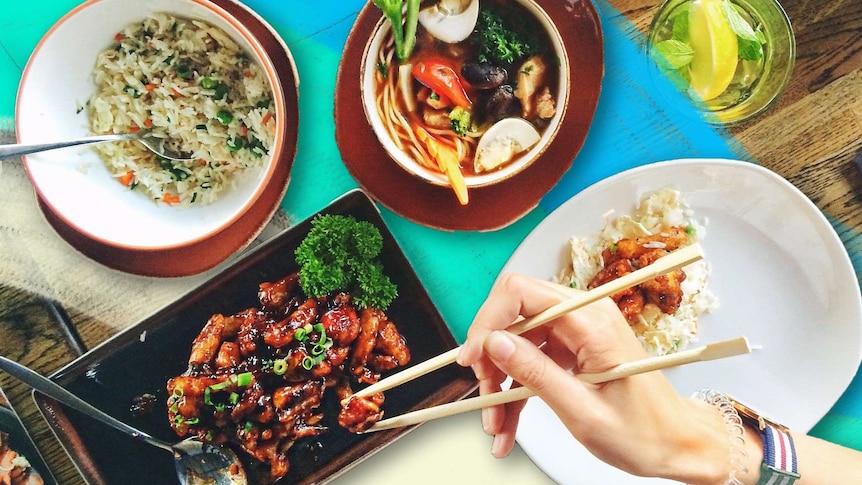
(779, 457)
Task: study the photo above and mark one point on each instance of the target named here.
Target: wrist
(762, 451)
(708, 449)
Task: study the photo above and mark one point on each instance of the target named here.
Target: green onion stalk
(403, 24)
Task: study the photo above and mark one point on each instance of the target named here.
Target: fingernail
(486, 420)
(462, 355)
(499, 345)
(496, 447)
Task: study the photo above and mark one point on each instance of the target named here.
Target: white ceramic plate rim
(74, 182)
(783, 279)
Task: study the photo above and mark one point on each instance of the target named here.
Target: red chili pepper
(441, 77)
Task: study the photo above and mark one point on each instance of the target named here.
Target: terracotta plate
(142, 358)
(204, 253)
(491, 207)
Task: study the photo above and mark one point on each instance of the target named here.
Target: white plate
(783, 279)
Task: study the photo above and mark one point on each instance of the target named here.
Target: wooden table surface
(810, 136)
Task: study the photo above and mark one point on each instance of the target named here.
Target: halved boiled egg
(451, 21)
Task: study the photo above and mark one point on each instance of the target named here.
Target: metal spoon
(153, 143)
(196, 462)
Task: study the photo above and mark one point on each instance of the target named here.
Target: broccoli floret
(340, 253)
(499, 43)
(460, 119)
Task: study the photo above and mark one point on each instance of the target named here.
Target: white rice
(175, 76)
(659, 332)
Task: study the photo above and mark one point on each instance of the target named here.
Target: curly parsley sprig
(340, 253)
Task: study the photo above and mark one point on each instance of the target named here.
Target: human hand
(638, 424)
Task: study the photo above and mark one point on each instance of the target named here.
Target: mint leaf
(749, 50)
(680, 26)
(738, 24)
(677, 54)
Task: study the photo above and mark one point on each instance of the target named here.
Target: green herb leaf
(749, 50)
(680, 26)
(677, 54)
(738, 24)
(340, 253)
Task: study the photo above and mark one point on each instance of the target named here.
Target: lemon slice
(715, 49)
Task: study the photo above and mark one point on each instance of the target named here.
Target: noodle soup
(472, 112)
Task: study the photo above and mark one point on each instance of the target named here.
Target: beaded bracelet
(736, 430)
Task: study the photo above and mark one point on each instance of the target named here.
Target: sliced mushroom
(501, 103)
(483, 75)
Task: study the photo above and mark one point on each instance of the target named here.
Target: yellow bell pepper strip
(447, 160)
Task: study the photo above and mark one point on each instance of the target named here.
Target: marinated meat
(630, 254)
(257, 379)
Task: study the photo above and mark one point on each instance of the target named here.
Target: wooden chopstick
(674, 260)
(717, 350)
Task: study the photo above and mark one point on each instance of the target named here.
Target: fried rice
(191, 84)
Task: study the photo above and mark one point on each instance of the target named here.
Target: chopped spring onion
(194, 420)
(222, 385)
(309, 362)
(220, 91)
(248, 426)
(132, 92)
(184, 71)
(235, 144)
(234, 398)
(244, 379)
(207, 397)
(302, 332)
(317, 350)
(279, 367)
(208, 83)
(178, 391)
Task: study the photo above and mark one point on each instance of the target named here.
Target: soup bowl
(402, 154)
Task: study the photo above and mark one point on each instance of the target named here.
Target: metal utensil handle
(51, 389)
(18, 149)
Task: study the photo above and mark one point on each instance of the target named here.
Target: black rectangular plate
(140, 360)
(19, 440)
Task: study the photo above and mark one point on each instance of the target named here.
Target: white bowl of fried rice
(190, 71)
